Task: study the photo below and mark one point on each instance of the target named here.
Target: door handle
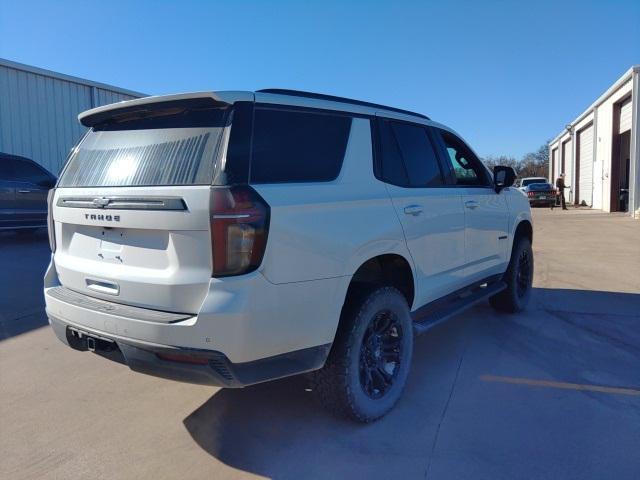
(102, 286)
(472, 204)
(24, 191)
(414, 210)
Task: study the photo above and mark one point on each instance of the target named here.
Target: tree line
(532, 164)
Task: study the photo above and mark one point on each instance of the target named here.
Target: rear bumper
(250, 330)
(246, 318)
(546, 202)
(214, 369)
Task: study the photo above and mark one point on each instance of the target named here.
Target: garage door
(566, 167)
(585, 175)
(625, 116)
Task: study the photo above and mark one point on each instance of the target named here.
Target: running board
(430, 315)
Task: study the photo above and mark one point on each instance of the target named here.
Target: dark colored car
(541, 194)
(23, 193)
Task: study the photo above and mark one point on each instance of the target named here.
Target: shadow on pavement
(278, 430)
(23, 261)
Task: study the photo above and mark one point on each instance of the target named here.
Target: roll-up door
(567, 168)
(585, 165)
(625, 116)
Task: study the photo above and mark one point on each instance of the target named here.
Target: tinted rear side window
(297, 146)
(392, 166)
(408, 157)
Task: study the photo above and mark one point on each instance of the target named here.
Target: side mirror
(503, 177)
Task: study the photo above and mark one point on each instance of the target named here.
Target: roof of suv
(332, 98)
(270, 95)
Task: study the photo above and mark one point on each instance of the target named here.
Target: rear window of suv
(297, 146)
(172, 145)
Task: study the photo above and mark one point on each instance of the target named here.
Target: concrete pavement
(490, 396)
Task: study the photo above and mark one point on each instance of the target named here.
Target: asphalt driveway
(551, 393)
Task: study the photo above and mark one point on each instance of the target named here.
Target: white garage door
(625, 116)
(585, 187)
(567, 168)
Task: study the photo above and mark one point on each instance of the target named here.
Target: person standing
(561, 186)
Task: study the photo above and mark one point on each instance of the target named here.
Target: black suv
(23, 193)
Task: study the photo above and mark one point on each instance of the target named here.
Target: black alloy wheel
(523, 273)
(518, 279)
(380, 354)
(367, 368)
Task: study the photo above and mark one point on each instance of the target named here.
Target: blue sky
(507, 75)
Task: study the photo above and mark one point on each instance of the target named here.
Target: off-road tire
(518, 277)
(341, 385)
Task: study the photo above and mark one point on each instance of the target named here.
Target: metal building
(39, 109)
(599, 151)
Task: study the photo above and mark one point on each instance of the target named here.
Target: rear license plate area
(84, 341)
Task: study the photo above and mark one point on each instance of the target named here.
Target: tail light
(50, 224)
(239, 228)
(530, 194)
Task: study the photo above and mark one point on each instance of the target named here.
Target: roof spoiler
(92, 117)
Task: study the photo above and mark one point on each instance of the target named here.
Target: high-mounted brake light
(50, 223)
(239, 228)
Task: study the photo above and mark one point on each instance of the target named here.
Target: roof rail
(332, 98)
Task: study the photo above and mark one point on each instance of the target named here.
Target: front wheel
(519, 279)
(369, 362)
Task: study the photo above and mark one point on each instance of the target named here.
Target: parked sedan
(541, 194)
(526, 181)
(23, 193)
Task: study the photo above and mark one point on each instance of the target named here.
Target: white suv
(231, 238)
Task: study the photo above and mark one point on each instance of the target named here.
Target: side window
(408, 157)
(297, 146)
(392, 168)
(6, 168)
(27, 172)
(467, 167)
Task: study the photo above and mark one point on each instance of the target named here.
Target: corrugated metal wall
(598, 128)
(38, 114)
